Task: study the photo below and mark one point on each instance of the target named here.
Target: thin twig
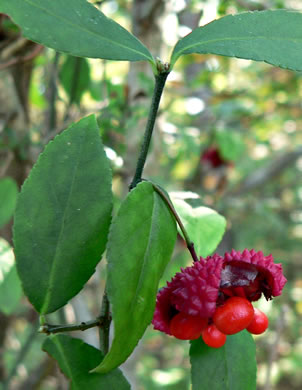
(6, 163)
(17, 60)
(15, 47)
(190, 244)
(51, 329)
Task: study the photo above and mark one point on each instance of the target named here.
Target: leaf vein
(52, 274)
(143, 266)
(296, 40)
(87, 30)
(65, 359)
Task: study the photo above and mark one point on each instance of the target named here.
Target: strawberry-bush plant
(64, 223)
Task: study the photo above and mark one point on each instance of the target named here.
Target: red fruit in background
(213, 337)
(259, 323)
(186, 327)
(234, 315)
(213, 157)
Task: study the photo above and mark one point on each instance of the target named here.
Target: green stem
(160, 80)
(190, 244)
(48, 328)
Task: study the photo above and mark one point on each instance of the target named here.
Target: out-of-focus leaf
(140, 245)
(75, 77)
(271, 36)
(75, 27)
(10, 286)
(231, 145)
(204, 226)
(8, 199)
(231, 367)
(63, 216)
(76, 359)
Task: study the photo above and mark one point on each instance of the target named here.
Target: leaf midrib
(88, 31)
(64, 358)
(178, 54)
(226, 369)
(143, 266)
(110, 356)
(52, 275)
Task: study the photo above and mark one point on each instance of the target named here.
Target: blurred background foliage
(229, 130)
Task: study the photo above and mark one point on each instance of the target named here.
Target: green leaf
(75, 27)
(231, 145)
(231, 367)
(63, 216)
(141, 241)
(10, 286)
(8, 199)
(274, 37)
(76, 359)
(204, 226)
(75, 77)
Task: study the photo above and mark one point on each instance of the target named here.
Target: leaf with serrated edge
(76, 359)
(140, 244)
(75, 27)
(274, 37)
(63, 216)
(231, 367)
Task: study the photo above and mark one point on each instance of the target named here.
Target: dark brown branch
(105, 329)
(252, 6)
(52, 94)
(17, 60)
(270, 171)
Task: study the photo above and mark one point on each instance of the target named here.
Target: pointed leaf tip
(141, 241)
(273, 36)
(63, 216)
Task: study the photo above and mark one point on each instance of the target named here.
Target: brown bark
(16, 63)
